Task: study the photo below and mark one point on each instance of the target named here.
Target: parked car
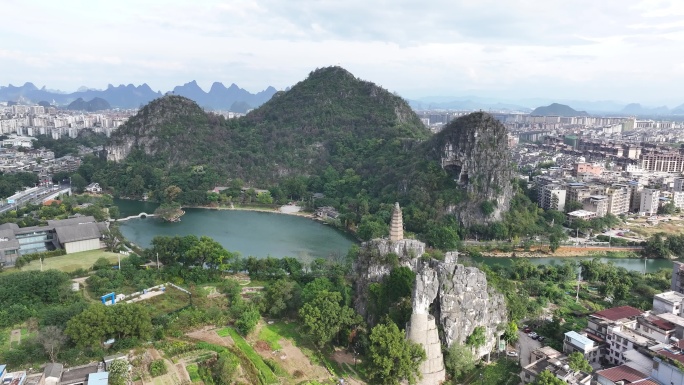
(512, 354)
(541, 338)
(533, 335)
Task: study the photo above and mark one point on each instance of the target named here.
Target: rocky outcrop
(375, 262)
(461, 300)
(473, 149)
(457, 296)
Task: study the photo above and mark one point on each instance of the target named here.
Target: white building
(668, 302)
(553, 197)
(575, 342)
(678, 199)
(649, 201)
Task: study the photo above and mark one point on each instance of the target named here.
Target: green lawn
(271, 337)
(71, 262)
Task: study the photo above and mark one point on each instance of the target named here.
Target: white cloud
(588, 49)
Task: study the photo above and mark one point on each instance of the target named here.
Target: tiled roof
(661, 323)
(622, 373)
(617, 313)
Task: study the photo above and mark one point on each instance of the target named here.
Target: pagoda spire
(397, 224)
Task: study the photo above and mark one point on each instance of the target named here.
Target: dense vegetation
(12, 183)
(69, 146)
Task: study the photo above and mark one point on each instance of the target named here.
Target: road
(35, 197)
(525, 347)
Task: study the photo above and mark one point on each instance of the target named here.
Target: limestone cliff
(458, 297)
(461, 300)
(474, 150)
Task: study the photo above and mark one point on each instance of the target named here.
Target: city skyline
(582, 50)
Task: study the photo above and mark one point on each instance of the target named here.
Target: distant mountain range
(601, 107)
(129, 96)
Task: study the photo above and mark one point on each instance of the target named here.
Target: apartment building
(650, 201)
(678, 184)
(618, 199)
(662, 161)
(597, 204)
(552, 197)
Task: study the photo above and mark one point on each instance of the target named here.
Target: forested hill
(329, 119)
(355, 142)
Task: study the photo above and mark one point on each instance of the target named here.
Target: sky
(623, 50)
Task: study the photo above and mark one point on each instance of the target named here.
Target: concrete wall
(667, 374)
(85, 245)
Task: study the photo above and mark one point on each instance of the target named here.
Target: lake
(262, 234)
(250, 233)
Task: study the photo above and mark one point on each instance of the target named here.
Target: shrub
(157, 368)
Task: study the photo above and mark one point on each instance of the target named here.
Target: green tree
(511, 332)
(324, 317)
(577, 362)
(118, 372)
(91, 327)
(656, 246)
(281, 296)
(391, 357)
(207, 251)
(248, 319)
(477, 338)
(459, 360)
(264, 198)
(78, 183)
(371, 228)
(548, 378)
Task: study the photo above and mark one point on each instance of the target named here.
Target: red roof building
(621, 373)
(618, 313)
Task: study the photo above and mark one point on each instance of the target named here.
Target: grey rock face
(460, 297)
(474, 150)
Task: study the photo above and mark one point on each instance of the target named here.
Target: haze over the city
(591, 50)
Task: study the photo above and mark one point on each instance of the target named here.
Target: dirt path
(208, 334)
(15, 336)
(293, 360)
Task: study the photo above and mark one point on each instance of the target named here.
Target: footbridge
(141, 215)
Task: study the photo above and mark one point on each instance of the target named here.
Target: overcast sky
(621, 50)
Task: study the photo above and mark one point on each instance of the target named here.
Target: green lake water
(261, 234)
(250, 233)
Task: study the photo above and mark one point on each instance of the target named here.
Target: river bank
(566, 252)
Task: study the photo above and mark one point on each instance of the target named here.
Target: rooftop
(618, 313)
(100, 378)
(672, 318)
(78, 374)
(583, 340)
(660, 323)
(670, 296)
(622, 373)
(77, 232)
